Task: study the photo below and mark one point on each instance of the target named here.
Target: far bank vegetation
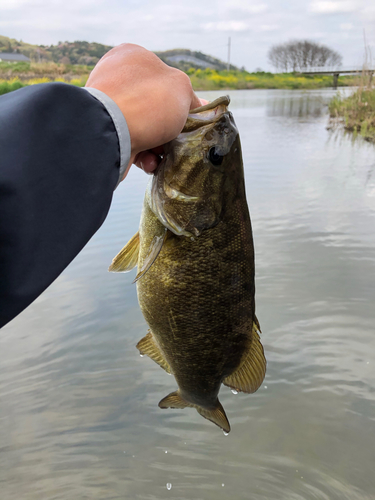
(207, 79)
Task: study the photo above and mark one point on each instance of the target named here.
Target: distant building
(189, 59)
(13, 57)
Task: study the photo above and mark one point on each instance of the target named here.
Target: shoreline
(15, 76)
(355, 113)
(8, 85)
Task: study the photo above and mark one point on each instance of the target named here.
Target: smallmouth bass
(195, 256)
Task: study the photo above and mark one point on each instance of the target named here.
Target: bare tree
(297, 55)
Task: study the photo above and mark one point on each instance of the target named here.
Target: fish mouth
(213, 105)
(178, 193)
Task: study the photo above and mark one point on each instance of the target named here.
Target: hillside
(89, 53)
(64, 52)
(185, 59)
(12, 45)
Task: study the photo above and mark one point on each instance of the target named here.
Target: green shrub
(6, 87)
(357, 112)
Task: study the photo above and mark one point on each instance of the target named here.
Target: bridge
(336, 72)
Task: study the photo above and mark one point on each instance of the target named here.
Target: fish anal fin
(148, 346)
(127, 258)
(249, 376)
(174, 400)
(153, 252)
(216, 415)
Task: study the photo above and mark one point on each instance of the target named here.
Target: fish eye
(214, 157)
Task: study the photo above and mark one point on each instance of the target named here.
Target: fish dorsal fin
(148, 346)
(216, 415)
(250, 374)
(153, 252)
(127, 258)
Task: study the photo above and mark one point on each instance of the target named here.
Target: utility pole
(228, 65)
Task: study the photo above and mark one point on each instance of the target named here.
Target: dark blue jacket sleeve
(59, 165)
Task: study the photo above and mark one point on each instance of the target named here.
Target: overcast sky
(253, 25)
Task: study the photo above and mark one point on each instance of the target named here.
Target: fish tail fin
(216, 415)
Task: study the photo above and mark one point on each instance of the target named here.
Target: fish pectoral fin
(216, 415)
(148, 346)
(250, 374)
(127, 258)
(153, 252)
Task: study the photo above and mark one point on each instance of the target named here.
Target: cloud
(368, 13)
(241, 7)
(346, 26)
(268, 27)
(236, 16)
(57, 5)
(226, 26)
(256, 9)
(336, 7)
(13, 4)
(166, 24)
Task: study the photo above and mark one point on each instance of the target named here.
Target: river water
(78, 405)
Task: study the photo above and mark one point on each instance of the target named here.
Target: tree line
(298, 55)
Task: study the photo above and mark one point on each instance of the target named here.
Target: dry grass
(357, 112)
(25, 72)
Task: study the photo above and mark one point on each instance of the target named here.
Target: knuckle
(185, 78)
(182, 77)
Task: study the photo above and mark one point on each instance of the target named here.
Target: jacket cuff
(121, 128)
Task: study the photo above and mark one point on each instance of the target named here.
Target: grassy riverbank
(356, 112)
(14, 76)
(215, 80)
(15, 84)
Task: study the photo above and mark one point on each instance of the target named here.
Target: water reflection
(79, 406)
(299, 107)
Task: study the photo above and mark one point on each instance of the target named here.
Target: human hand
(154, 98)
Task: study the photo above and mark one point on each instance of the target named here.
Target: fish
(194, 254)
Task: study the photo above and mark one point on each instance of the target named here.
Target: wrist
(121, 127)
